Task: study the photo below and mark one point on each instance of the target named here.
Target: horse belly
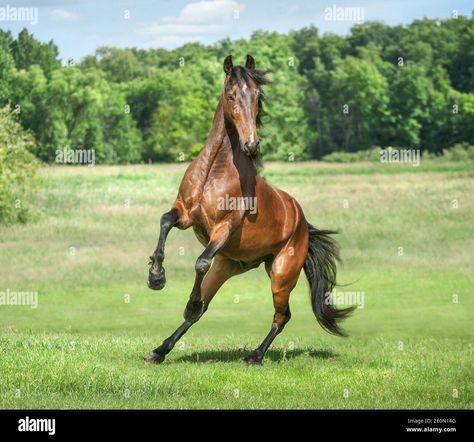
(256, 238)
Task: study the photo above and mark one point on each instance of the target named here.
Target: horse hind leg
(284, 273)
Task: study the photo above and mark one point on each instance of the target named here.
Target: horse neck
(222, 150)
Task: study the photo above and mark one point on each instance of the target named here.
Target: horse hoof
(154, 358)
(253, 360)
(157, 282)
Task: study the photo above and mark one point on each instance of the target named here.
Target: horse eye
(230, 97)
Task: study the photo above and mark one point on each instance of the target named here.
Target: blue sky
(78, 27)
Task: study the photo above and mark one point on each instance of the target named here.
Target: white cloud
(193, 23)
(63, 15)
(206, 12)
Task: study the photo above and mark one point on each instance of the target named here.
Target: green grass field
(410, 346)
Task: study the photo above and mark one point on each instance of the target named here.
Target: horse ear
(228, 65)
(250, 63)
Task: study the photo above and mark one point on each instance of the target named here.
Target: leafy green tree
(409, 103)
(333, 48)
(459, 60)
(77, 110)
(359, 104)
(17, 169)
(374, 32)
(305, 44)
(182, 118)
(120, 65)
(28, 51)
(6, 66)
(285, 134)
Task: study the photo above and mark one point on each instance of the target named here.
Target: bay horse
(235, 238)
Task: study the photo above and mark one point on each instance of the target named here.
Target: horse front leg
(195, 306)
(156, 275)
(200, 294)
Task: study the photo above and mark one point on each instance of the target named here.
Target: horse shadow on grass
(237, 355)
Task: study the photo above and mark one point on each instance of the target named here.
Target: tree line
(402, 86)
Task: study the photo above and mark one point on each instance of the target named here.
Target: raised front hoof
(154, 358)
(253, 359)
(157, 281)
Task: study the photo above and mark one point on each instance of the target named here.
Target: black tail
(320, 269)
